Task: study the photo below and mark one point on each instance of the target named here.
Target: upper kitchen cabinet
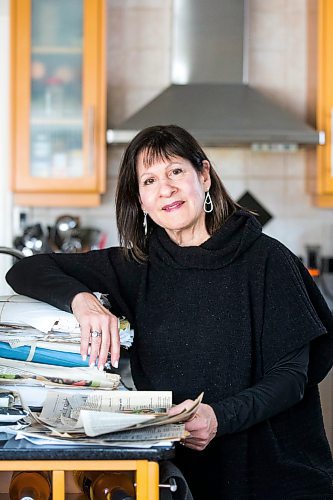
(58, 102)
(324, 190)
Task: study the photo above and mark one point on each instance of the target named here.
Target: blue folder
(41, 355)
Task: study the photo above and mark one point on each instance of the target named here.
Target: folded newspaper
(109, 418)
(31, 330)
(14, 372)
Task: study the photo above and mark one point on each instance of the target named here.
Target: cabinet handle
(91, 139)
(172, 484)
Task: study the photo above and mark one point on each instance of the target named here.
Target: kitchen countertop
(22, 450)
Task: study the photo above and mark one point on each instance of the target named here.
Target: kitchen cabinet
(146, 473)
(324, 189)
(58, 102)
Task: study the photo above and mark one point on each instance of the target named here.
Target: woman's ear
(206, 174)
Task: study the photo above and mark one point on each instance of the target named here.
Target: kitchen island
(22, 456)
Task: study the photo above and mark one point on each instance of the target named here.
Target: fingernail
(84, 357)
(100, 368)
(115, 364)
(91, 365)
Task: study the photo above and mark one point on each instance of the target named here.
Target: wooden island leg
(147, 480)
(58, 485)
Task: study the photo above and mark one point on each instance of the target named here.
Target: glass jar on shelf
(59, 156)
(75, 162)
(41, 149)
(54, 97)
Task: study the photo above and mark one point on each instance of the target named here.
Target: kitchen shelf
(56, 50)
(71, 122)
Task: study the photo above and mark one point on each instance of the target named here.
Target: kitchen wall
(281, 63)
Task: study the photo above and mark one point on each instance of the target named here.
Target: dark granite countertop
(22, 450)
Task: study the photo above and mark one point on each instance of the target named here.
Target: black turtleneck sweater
(238, 318)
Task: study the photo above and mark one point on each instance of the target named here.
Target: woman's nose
(167, 187)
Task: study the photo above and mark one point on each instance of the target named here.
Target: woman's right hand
(94, 317)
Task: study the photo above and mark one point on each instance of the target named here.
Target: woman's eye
(176, 172)
(148, 181)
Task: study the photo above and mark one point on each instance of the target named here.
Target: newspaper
(168, 432)
(24, 320)
(100, 414)
(38, 439)
(15, 372)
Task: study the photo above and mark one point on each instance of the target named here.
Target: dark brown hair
(161, 142)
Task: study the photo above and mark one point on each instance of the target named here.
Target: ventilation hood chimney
(209, 95)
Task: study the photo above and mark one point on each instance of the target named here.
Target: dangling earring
(208, 203)
(145, 225)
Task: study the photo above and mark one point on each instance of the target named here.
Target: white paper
(55, 324)
(27, 311)
(102, 422)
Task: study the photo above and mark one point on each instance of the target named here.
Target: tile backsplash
(139, 44)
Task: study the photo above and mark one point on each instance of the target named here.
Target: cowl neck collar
(233, 238)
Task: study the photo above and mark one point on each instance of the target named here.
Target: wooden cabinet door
(58, 101)
(325, 102)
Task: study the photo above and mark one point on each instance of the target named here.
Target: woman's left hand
(202, 425)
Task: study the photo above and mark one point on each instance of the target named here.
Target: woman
(217, 307)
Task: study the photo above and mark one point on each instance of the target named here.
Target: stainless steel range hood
(209, 95)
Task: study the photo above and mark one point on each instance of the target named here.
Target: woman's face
(172, 192)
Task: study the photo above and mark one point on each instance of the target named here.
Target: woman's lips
(172, 206)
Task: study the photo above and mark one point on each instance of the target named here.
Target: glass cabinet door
(56, 102)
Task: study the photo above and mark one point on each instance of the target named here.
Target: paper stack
(59, 399)
(118, 418)
(40, 348)
(31, 330)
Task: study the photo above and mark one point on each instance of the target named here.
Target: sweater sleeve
(57, 278)
(294, 314)
(281, 387)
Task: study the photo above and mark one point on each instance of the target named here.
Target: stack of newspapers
(40, 345)
(107, 418)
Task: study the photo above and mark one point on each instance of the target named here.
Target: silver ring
(95, 334)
